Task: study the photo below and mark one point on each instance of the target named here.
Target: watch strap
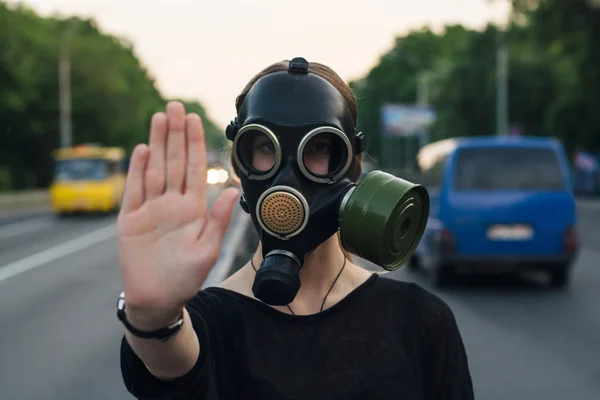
(162, 334)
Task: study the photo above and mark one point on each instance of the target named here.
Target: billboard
(405, 120)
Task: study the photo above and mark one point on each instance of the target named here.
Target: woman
(324, 328)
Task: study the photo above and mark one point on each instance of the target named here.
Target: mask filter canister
(383, 219)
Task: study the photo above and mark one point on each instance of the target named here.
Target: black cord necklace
(329, 291)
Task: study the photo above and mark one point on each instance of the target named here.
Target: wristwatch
(162, 334)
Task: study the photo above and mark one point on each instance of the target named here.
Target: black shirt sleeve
(446, 375)
(211, 319)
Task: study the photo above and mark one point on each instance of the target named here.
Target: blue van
(498, 204)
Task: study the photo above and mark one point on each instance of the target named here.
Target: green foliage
(554, 78)
(215, 138)
(554, 75)
(113, 94)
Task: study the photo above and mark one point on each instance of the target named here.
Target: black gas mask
(295, 144)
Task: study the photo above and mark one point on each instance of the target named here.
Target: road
(59, 282)
(59, 336)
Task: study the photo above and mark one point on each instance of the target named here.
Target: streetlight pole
(423, 101)
(501, 84)
(501, 80)
(64, 72)
(64, 79)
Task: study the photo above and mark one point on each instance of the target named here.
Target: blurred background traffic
(492, 105)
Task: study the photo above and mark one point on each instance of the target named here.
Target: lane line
(19, 228)
(43, 257)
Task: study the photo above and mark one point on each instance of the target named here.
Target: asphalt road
(59, 336)
(59, 282)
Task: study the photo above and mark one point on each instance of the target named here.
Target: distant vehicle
(498, 204)
(217, 175)
(87, 178)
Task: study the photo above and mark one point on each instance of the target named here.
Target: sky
(208, 50)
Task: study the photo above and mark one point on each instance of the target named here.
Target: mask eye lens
(324, 155)
(257, 151)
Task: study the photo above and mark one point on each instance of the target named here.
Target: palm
(167, 213)
(167, 240)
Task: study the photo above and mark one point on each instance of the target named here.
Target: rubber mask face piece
(295, 148)
(295, 144)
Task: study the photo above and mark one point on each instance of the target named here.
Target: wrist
(146, 318)
(150, 320)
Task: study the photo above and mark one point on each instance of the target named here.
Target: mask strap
(232, 129)
(326, 295)
(360, 143)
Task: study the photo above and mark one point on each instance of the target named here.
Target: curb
(230, 252)
(23, 200)
(24, 211)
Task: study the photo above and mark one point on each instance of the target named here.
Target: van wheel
(441, 275)
(559, 277)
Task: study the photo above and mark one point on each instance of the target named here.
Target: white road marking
(56, 252)
(19, 228)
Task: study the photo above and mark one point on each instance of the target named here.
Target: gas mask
(295, 144)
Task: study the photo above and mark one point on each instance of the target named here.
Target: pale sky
(208, 50)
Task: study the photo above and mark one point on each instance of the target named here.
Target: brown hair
(329, 75)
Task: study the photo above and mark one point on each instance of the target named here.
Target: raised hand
(167, 241)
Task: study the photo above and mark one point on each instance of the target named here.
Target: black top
(385, 340)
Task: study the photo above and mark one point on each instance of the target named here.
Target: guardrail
(236, 251)
(25, 199)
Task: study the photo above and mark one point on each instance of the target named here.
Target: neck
(318, 273)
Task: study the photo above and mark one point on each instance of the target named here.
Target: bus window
(81, 169)
(116, 167)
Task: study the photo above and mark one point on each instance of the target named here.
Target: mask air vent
(282, 213)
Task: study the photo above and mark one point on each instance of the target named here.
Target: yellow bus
(87, 178)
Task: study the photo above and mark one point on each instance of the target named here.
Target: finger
(218, 222)
(176, 152)
(195, 176)
(155, 172)
(134, 194)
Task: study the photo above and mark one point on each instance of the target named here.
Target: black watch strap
(162, 334)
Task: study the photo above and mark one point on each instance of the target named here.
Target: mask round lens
(257, 152)
(324, 155)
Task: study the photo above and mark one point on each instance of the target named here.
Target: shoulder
(215, 299)
(431, 311)
(230, 294)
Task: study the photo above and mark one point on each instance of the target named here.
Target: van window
(508, 169)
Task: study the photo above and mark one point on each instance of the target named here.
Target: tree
(113, 94)
(569, 31)
(554, 76)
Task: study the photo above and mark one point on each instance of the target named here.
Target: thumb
(218, 221)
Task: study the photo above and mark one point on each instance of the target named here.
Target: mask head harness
(295, 144)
